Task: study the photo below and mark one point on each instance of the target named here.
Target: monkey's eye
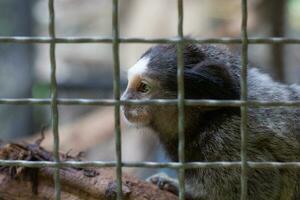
(144, 87)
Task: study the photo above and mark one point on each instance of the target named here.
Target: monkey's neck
(200, 133)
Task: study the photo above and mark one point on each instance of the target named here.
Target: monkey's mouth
(136, 116)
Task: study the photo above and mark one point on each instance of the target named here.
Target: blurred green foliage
(41, 90)
(6, 15)
(294, 15)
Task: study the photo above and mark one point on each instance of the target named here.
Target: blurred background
(86, 70)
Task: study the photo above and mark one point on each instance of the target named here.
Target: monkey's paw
(164, 182)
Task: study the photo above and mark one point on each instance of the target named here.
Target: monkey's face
(154, 76)
(141, 86)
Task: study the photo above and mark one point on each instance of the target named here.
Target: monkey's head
(208, 74)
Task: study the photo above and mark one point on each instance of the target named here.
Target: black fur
(204, 77)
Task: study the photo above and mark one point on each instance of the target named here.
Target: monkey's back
(273, 135)
(282, 122)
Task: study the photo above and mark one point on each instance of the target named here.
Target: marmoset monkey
(213, 134)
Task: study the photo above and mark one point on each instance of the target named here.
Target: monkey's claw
(164, 182)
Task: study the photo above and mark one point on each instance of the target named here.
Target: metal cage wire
(243, 103)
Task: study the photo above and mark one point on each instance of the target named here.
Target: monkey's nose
(123, 97)
(127, 94)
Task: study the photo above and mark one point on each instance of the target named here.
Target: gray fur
(274, 135)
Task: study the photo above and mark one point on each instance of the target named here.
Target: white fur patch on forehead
(139, 68)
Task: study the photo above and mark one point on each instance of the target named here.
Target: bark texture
(76, 183)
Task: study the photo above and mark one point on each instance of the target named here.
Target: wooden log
(76, 183)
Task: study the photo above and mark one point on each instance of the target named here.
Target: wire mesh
(180, 105)
(243, 103)
(244, 97)
(74, 40)
(116, 87)
(54, 108)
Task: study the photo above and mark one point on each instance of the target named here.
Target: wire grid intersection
(243, 103)
(54, 106)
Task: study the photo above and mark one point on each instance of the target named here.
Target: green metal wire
(244, 97)
(116, 87)
(54, 108)
(180, 105)
(72, 40)
(172, 165)
(112, 102)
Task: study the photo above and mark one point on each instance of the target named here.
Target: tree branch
(76, 183)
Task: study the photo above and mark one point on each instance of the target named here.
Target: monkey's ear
(211, 80)
(193, 55)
